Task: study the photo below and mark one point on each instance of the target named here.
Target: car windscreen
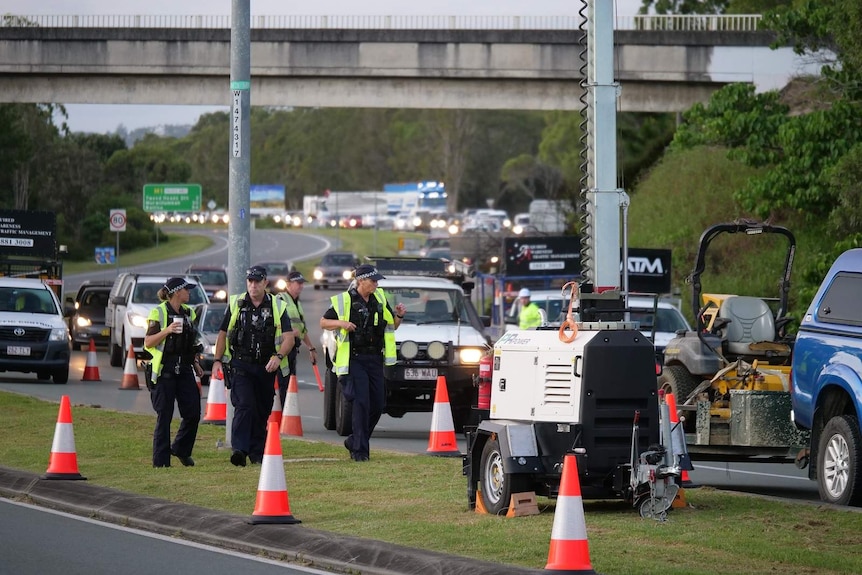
(148, 293)
(211, 277)
(212, 320)
(277, 269)
(30, 300)
(338, 260)
(666, 320)
(94, 299)
(429, 305)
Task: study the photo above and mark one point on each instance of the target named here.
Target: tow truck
(576, 389)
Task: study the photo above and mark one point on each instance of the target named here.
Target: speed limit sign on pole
(118, 220)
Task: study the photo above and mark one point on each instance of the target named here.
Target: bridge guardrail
(700, 23)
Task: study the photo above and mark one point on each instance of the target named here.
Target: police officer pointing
(364, 326)
(256, 337)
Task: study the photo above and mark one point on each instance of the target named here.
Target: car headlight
(210, 349)
(317, 274)
(59, 334)
(82, 321)
(409, 349)
(347, 275)
(220, 295)
(137, 320)
(470, 355)
(436, 350)
(281, 284)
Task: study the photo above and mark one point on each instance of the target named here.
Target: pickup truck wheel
(116, 355)
(61, 375)
(838, 458)
(343, 414)
(496, 485)
(329, 386)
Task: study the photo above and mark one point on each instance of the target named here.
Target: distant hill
(169, 131)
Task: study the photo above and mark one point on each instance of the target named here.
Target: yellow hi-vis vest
(341, 305)
(296, 315)
(277, 311)
(160, 314)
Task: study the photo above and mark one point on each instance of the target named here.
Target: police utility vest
(240, 339)
(341, 305)
(186, 343)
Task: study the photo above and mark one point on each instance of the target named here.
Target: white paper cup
(179, 320)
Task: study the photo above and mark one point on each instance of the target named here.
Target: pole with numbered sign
(118, 224)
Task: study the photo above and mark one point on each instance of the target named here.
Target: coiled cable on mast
(586, 227)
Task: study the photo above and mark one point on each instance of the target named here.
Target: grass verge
(420, 501)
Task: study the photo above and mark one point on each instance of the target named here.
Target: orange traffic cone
(569, 552)
(275, 412)
(291, 422)
(130, 372)
(442, 439)
(216, 401)
(91, 369)
(679, 448)
(63, 463)
(272, 504)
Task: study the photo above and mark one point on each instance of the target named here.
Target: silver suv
(129, 305)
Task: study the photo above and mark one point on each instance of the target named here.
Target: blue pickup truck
(827, 381)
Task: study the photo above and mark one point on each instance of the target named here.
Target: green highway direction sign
(172, 197)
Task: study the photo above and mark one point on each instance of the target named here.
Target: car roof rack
(453, 270)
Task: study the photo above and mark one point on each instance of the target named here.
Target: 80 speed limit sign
(118, 220)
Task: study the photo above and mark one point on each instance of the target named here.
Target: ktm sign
(649, 269)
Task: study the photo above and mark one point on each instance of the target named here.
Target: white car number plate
(420, 373)
(17, 350)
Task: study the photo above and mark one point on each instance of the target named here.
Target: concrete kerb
(292, 543)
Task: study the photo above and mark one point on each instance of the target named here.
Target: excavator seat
(751, 327)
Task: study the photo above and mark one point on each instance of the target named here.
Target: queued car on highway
(132, 297)
(34, 335)
(276, 273)
(88, 321)
(208, 323)
(335, 270)
(213, 279)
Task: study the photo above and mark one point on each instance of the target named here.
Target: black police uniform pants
(284, 380)
(183, 389)
(369, 399)
(252, 393)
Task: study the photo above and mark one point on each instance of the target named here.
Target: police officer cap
(174, 285)
(368, 272)
(257, 273)
(524, 292)
(295, 277)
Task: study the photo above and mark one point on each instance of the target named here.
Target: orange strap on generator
(569, 323)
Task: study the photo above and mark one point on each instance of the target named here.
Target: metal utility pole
(239, 237)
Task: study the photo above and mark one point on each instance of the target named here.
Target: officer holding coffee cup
(172, 341)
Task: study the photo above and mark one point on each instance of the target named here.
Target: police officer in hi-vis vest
(172, 339)
(295, 282)
(364, 326)
(256, 337)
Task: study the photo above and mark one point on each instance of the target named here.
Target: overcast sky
(103, 118)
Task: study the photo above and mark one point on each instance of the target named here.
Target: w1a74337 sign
(172, 197)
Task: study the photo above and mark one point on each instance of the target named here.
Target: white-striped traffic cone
(216, 412)
(275, 412)
(569, 552)
(130, 372)
(272, 504)
(63, 463)
(291, 421)
(91, 368)
(442, 440)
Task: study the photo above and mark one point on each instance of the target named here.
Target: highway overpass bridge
(663, 64)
